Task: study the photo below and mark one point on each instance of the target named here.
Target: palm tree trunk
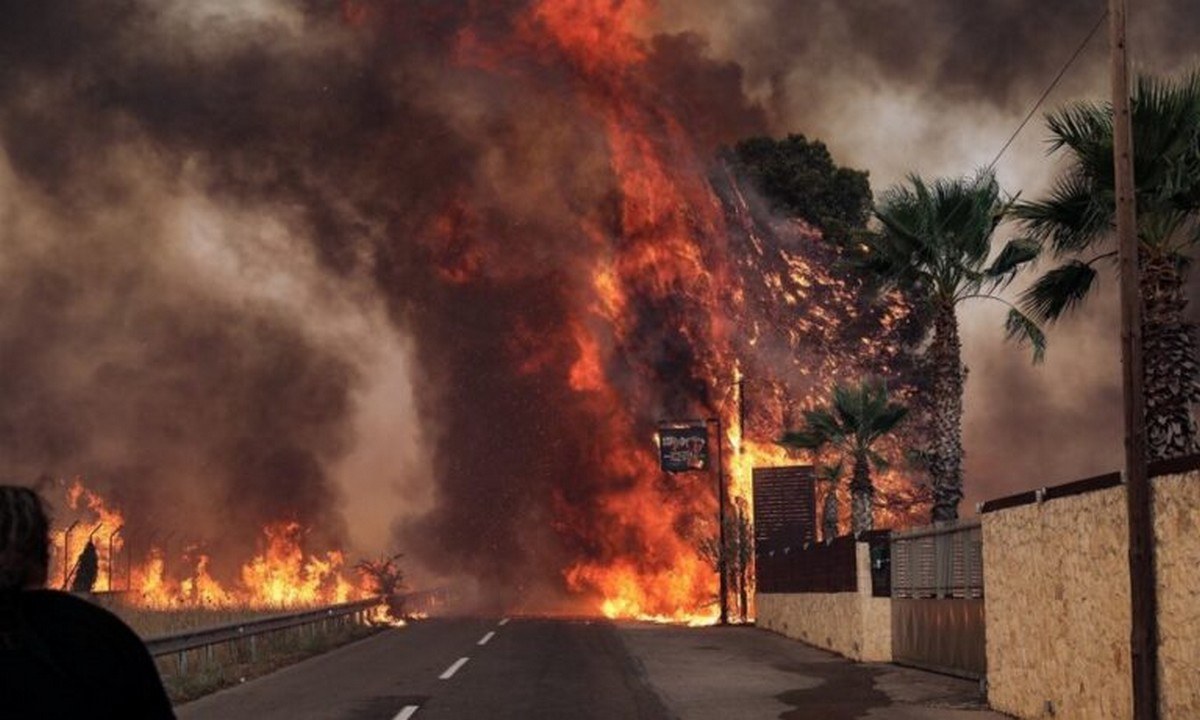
(829, 515)
(946, 453)
(1171, 374)
(862, 493)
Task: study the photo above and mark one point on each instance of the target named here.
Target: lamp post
(722, 567)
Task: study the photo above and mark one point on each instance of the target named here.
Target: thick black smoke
(198, 196)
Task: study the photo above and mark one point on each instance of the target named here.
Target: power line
(1057, 78)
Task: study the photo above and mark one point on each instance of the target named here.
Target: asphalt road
(541, 669)
(532, 669)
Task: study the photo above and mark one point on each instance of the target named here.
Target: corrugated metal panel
(937, 599)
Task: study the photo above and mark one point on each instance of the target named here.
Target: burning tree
(385, 578)
(856, 419)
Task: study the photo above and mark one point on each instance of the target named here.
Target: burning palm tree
(856, 418)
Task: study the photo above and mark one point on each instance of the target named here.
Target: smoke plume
(429, 272)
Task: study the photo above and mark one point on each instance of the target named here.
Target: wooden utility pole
(1138, 493)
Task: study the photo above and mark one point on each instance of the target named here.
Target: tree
(856, 418)
(934, 246)
(738, 554)
(799, 179)
(385, 578)
(1077, 218)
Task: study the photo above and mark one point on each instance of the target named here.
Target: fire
(731, 293)
(280, 574)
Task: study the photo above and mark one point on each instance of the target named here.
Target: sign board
(683, 448)
(785, 507)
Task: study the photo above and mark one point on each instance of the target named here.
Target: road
(542, 669)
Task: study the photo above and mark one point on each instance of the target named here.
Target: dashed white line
(484, 640)
(407, 712)
(453, 668)
(503, 622)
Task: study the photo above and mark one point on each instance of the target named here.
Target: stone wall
(1177, 529)
(853, 624)
(1056, 576)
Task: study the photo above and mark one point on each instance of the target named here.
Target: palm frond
(803, 440)
(1024, 330)
(1058, 291)
(1075, 214)
(1015, 254)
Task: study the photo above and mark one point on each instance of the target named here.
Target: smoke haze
(336, 261)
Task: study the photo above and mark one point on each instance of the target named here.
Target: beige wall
(1177, 528)
(853, 624)
(1057, 604)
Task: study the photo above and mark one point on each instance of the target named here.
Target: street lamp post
(722, 568)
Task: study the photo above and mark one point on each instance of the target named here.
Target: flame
(667, 248)
(281, 574)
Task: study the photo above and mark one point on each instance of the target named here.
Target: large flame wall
(529, 190)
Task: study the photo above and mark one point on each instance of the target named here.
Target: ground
(539, 669)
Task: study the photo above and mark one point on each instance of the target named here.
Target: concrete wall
(1057, 603)
(853, 624)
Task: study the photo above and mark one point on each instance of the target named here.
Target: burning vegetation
(154, 572)
(534, 193)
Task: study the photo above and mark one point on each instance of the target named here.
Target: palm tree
(934, 247)
(1078, 215)
(857, 417)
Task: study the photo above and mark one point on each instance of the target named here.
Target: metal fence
(938, 618)
(941, 561)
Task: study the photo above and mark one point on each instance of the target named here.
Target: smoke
(937, 88)
(187, 322)
(339, 262)
(291, 259)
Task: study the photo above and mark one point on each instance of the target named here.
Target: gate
(937, 599)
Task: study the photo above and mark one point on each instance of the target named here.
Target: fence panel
(938, 619)
(820, 568)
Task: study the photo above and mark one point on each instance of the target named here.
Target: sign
(785, 507)
(683, 448)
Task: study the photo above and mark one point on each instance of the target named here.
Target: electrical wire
(1057, 79)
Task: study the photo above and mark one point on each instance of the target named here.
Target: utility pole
(1138, 493)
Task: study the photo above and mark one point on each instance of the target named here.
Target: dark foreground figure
(60, 656)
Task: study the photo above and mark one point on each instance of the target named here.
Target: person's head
(24, 539)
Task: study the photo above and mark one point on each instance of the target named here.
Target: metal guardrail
(192, 639)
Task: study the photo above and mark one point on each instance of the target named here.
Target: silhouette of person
(61, 656)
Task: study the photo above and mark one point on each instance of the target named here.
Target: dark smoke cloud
(201, 194)
(207, 204)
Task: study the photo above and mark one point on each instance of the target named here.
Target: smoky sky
(214, 215)
(198, 198)
(936, 88)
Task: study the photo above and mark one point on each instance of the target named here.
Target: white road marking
(453, 668)
(407, 712)
(503, 622)
(485, 638)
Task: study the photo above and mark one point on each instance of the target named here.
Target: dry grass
(207, 670)
(231, 663)
(150, 622)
